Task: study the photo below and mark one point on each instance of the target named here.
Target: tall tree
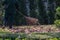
(22, 10)
(9, 12)
(57, 2)
(42, 12)
(52, 11)
(33, 8)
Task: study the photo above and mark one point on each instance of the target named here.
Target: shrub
(57, 23)
(57, 13)
(53, 39)
(58, 9)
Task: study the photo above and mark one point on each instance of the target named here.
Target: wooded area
(46, 11)
(29, 19)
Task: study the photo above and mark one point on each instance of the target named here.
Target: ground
(35, 31)
(30, 29)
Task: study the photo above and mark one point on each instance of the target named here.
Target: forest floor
(30, 29)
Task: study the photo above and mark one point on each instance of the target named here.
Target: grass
(23, 35)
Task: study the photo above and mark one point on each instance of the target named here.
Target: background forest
(47, 11)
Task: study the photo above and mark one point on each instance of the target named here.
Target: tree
(33, 8)
(21, 7)
(1, 12)
(57, 2)
(51, 11)
(10, 11)
(42, 13)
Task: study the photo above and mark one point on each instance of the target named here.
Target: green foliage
(53, 39)
(58, 9)
(58, 13)
(57, 23)
(24, 36)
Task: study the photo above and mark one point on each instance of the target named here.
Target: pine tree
(9, 12)
(33, 8)
(20, 20)
(42, 12)
(51, 11)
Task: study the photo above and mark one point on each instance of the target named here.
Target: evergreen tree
(42, 12)
(33, 8)
(22, 10)
(9, 12)
(51, 11)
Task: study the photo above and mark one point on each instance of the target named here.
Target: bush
(57, 23)
(58, 13)
(58, 9)
(53, 39)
